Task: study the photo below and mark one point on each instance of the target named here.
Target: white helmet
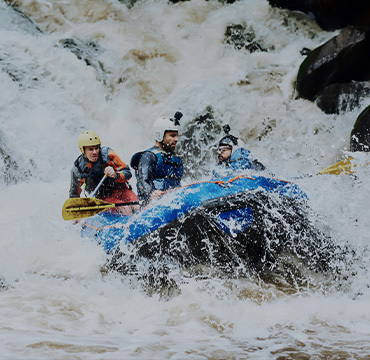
(164, 124)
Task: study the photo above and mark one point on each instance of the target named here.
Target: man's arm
(146, 172)
(122, 170)
(76, 183)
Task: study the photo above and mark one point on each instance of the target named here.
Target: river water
(134, 64)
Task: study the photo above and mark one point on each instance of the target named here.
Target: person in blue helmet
(232, 156)
(158, 168)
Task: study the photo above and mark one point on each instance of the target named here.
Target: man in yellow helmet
(93, 164)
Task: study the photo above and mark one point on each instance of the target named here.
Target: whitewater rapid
(138, 63)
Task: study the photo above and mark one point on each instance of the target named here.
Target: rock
(87, 52)
(198, 144)
(3, 284)
(337, 98)
(299, 5)
(344, 58)
(177, 1)
(242, 38)
(23, 22)
(11, 171)
(360, 134)
(330, 14)
(305, 51)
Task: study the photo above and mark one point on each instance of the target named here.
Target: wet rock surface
(360, 135)
(342, 59)
(330, 14)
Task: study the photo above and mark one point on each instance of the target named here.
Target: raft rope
(218, 182)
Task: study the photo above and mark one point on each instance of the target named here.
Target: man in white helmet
(158, 168)
(93, 164)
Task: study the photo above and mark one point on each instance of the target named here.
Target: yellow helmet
(88, 138)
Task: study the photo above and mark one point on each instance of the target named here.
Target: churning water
(114, 67)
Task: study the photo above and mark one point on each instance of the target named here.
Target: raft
(233, 222)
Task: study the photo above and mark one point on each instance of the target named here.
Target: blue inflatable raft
(234, 222)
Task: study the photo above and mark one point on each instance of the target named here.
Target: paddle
(65, 212)
(346, 166)
(79, 208)
(97, 188)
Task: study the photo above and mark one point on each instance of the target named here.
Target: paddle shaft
(101, 207)
(97, 188)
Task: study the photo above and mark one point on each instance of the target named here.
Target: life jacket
(92, 173)
(168, 171)
(241, 159)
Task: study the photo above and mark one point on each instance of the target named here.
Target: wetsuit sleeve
(119, 167)
(146, 173)
(76, 183)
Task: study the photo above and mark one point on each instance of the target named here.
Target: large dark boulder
(337, 98)
(360, 135)
(331, 14)
(198, 144)
(344, 58)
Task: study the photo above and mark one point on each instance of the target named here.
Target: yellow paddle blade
(346, 166)
(79, 208)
